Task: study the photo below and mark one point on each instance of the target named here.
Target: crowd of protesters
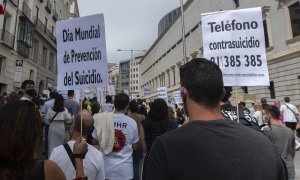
(205, 137)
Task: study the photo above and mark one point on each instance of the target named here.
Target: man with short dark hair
(28, 88)
(93, 162)
(71, 104)
(283, 139)
(264, 103)
(108, 105)
(209, 146)
(118, 163)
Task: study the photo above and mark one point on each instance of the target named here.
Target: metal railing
(7, 38)
(48, 6)
(26, 10)
(43, 28)
(23, 49)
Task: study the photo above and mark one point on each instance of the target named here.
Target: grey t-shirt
(284, 141)
(72, 106)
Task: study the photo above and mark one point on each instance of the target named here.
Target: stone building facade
(28, 42)
(160, 66)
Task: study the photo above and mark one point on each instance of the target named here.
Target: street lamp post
(131, 51)
(131, 58)
(183, 31)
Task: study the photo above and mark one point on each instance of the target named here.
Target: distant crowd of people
(205, 137)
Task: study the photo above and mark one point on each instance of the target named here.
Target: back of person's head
(71, 93)
(263, 101)
(228, 93)
(12, 97)
(59, 103)
(286, 99)
(139, 101)
(26, 82)
(108, 99)
(257, 107)
(52, 95)
(159, 110)
(133, 106)
(273, 111)
(87, 123)
(121, 101)
(95, 107)
(243, 104)
(206, 86)
(20, 140)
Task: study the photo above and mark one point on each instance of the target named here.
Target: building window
(46, 25)
(35, 50)
(174, 78)
(50, 67)
(272, 90)
(37, 10)
(7, 37)
(169, 83)
(1, 64)
(44, 56)
(294, 11)
(31, 74)
(25, 36)
(266, 34)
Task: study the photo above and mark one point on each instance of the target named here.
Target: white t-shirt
(118, 163)
(258, 116)
(93, 162)
(288, 115)
(107, 107)
(61, 116)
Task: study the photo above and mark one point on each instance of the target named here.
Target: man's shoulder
(94, 150)
(71, 101)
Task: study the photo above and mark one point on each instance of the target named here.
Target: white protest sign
(81, 53)
(134, 96)
(126, 91)
(235, 41)
(177, 97)
(162, 93)
(147, 91)
(77, 96)
(64, 93)
(111, 90)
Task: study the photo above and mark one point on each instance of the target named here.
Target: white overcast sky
(129, 24)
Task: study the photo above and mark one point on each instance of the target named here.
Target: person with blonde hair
(259, 113)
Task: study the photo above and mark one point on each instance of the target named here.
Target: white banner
(134, 96)
(147, 91)
(162, 93)
(177, 97)
(235, 41)
(111, 90)
(81, 53)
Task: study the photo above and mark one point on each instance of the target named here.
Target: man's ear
(183, 93)
(223, 94)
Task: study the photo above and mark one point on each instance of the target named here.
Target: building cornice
(186, 5)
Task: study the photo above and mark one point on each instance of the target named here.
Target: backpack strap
(53, 117)
(70, 153)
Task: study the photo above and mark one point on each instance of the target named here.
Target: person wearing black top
(156, 123)
(209, 146)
